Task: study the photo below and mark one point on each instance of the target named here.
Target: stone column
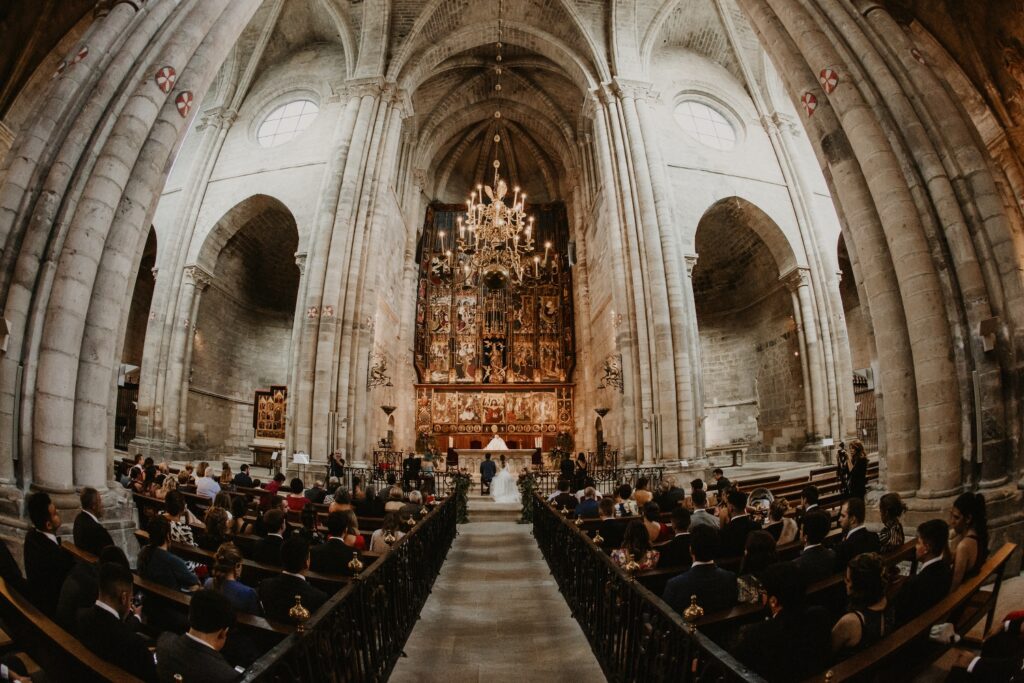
(193, 282)
(800, 281)
(792, 284)
(697, 373)
(293, 352)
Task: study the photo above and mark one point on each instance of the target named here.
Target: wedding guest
(391, 525)
(670, 496)
(333, 483)
(206, 485)
(276, 483)
(333, 556)
(784, 529)
(195, 655)
(891, 508)
(641, 494)
(170, 484)
(858, 470)
(46, 565)
(180, 519)
(816, 562)
(677, 550)
(740, 525)
(278, 593)
(158, 564)
(611, 529)
(89, 533)
(656, 529)
(969, 546)
(238, 525)
(104, 630)
(395, 502)
(625, 506)
(714, 587)
(216, 532)
(342, 501)
(243, 478)
(758, 555)
(865, 622)
(588, 505)
(352, 537)
(316, 493)
(857, 539)
(267, 550)
(226, 477)
(370, 505)
(701, 515)
(637, 547)
(296, 499)
(227, 568)
(934, 576)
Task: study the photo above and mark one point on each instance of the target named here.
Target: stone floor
(495, 613)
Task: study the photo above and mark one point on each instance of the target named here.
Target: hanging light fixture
(496, 236)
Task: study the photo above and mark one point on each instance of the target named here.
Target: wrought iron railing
(358, 635)
(633, 633)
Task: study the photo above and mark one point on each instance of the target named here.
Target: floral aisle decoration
(461, 481)
(527, 486)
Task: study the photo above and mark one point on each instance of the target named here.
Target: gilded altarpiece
(494, 360)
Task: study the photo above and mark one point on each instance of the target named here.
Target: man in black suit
(413, 507)
(243, 478)
(676, 552)
(816, 562)
(793, 642)
(858, 539)
(268, 549)
(715, 588)
(808, 502)
(669, 495)
(411, 471)
(88, 532)
(195, 655)
(722, 483)
(564, 498)
(46, 566)
(317, 492)
(103, 628)
(278, 593)
(333, 556)
(734, 534)
(487, 471)
(612, 530)
(566, 467)
(933, 578)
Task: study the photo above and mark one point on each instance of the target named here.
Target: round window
(705, 125)
(286, 122)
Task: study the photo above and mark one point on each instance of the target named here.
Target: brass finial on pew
(598, 538)
(299, 614)
(578, 522)
(829, 677)
(692, 613)
(355, 565)
(564, 510)
(389, 537)
(410, 522)
(632, 566)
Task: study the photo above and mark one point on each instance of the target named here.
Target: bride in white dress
(504, 488)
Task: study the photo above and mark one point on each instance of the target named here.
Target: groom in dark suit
(487, 472)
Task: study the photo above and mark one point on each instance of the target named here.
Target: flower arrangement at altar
(555, 456)
(527, 486)
(461, 481)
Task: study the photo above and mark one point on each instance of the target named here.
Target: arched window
(286, 121)
(706, 125)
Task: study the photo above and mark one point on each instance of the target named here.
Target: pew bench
(898, 655)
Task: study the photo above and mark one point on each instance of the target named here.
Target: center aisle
(495, 613)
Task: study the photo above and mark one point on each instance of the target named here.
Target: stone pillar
(799, 281)
(697, 373)
(792, 285)
(194, 281)
(6, 141)
(293, 352)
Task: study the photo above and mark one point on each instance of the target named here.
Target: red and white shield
(312, 312)
(916, 54)
(184, 102)
(82, 54)
(328, 311)
(165, 78)
(829, 79)
(810, 103)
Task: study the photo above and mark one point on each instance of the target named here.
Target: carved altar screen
(269, 409)
(472, 341)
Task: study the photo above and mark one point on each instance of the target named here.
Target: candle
(536, 266)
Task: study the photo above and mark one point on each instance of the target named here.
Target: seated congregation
(795, 592)
(223, 565)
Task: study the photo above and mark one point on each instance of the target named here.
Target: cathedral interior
(754, 227)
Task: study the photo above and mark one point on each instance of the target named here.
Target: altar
(517, 458)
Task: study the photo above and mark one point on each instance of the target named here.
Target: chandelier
(496, 237)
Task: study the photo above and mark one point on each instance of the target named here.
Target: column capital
(796, 277)
(198, 277)
(625, 88)
(778, 122)
(691, 261)
(219, 117)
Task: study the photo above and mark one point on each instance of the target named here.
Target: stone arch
(243, 325)
(754, 373)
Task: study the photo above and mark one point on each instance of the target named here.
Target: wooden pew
(65, 658)
(253, 572)
(896, 656)
(180, 600)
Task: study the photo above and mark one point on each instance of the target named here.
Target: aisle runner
(496, 615)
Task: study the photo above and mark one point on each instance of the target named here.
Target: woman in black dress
(858, 470)
(580, 475)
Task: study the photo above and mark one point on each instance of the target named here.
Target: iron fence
(358, 635)
(632, 632)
